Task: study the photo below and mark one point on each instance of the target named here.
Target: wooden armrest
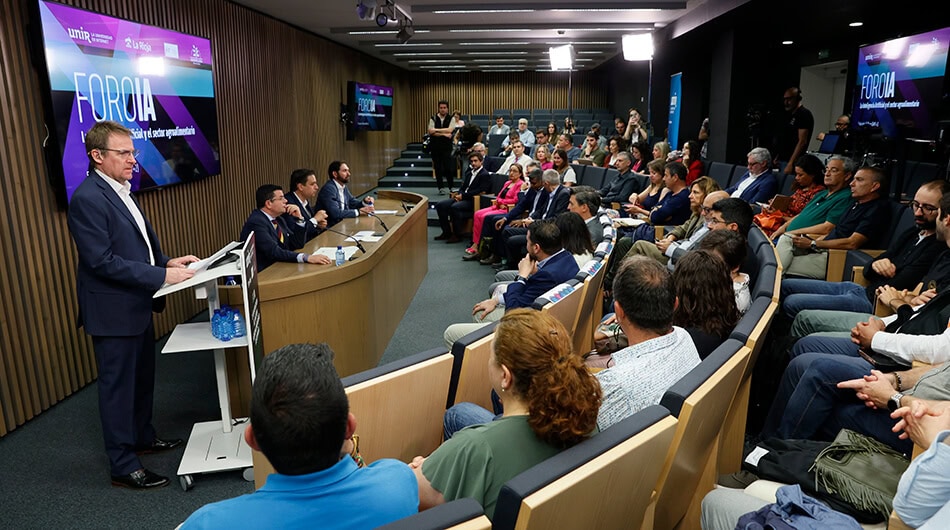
(857, 276)
(615, 206)
(835, 270)
(660, 231)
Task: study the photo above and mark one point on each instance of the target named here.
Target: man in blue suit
(337, 200)
(303, 189)
(554, 200)
(758, 184)
(546, 265)
(274, 238)
(121, 266)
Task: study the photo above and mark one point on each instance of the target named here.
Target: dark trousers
(453, 213)
(445, 167)
(126, 386)
(513, 245)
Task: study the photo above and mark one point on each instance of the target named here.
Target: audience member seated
(642, 156)
(659, 353)
(732, 248)
(861, 226)
(507, 197)
(585, 202)
(303, 183)
(601, 139)
(661, 151)
(808, 183)
(624, 184)
(526, 136)
(508, 144)
(494, 223)
(550, 403)
(703, 194)
(563, 168)
(565, 142)
(614, 147)
(901, 267)
(546, 265)
(759, 184)
(705, 300)
(554, 200)
(543, 138)
(500, 127)
(822, 213)
(543, 156)
(692, 161)
(274, 239)
(936, 280)
(640, 205)
(673, 208)
(489, 164)
(336, 199)
(575, 236)
(636, 129)
(592, 150)
(517, 156)
(460, 205)
(300, 421)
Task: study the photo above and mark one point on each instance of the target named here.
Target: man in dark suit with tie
(274, 238)
(337, 200)
(121, 266)
(303, 189)
(461, 204)
(554, 200)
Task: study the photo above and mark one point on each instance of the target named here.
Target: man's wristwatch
(814, 245)
(895, 402)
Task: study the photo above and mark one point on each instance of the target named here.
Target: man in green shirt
(822, 213)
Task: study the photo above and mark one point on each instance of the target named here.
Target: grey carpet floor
(54, 473)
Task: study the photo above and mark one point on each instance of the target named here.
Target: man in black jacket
(461, 204)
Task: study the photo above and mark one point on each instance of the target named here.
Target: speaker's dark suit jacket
(114, 284)
(269, 247)
(329, 199)
(307, 211)
(559, 269)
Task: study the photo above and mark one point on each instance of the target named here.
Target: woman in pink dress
(507, 197)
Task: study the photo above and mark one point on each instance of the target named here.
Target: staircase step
(412, 162)
(409, 172)
(402, 182)
(414, 153)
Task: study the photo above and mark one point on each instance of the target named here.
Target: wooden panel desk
(354, 308)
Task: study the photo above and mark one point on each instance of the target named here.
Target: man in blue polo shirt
(300, 420)
(860, 226)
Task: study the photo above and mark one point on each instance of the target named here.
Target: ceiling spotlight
(386, 12)
(405, 31)
(856, 24)
(365, 12)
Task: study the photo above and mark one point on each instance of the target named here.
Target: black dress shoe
(470, 257)
(158, 445)
(490, 260)
(140, 479)
(442, 237)
(453, 239)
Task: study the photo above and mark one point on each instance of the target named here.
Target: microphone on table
(386, 228)
(359, 245)
(405, 205)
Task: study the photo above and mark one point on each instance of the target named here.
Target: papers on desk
(628, 221)
(386, 212)
(367, 235)
(330, 252)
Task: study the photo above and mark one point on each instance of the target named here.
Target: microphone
(359, 245)
(405, 206)
(386, 228)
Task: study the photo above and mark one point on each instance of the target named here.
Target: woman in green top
(550, 401)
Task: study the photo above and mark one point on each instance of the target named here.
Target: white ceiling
(489, 35)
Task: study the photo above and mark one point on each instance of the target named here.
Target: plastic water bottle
(216, 324)
(230, 281)
(340, 256)
(226, 329)
(238, 328)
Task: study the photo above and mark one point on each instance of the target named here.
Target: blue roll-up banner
(676, 90)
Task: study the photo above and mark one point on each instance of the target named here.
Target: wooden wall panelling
(278, 92)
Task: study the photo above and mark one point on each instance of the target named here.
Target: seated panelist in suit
(337, 200)
(303, 186)
(120, 267)
(758, 184)
(461, 204)
(275, 238)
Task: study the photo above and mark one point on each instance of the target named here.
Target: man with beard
(900, 267)
(335, 199)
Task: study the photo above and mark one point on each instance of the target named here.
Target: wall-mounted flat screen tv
(900, 86)
(371, 106)
(157, 82)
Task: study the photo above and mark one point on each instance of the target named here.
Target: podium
(219, 445)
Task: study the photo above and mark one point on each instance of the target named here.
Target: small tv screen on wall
(157, 82)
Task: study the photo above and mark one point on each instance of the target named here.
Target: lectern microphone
(386, 228)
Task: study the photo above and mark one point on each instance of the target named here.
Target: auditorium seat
(737, 173)
(605, 481)
(562, 302)
(700, 401)
(460, 514)
(592, 274)
(902, 218)
(593, 177)
(721, 173)
(419, 383)
(469, 381)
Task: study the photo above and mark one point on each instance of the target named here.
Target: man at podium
(120, 268)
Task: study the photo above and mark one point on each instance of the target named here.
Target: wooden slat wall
(482, 92)
(278, 94)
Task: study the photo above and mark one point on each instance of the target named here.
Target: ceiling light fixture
(638, 47)
(856, 24)
(561, 57)
(788, 42)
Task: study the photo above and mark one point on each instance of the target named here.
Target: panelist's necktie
(280, 234)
